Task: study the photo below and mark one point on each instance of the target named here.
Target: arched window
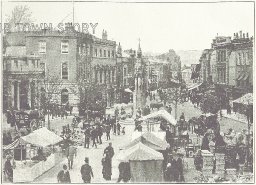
(64, 96)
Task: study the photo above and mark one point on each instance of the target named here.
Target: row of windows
(243, 58)
(221, 56)
(23, 63)
(42, 47)
(105, 53)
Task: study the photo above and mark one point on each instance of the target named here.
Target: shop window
(64, 96)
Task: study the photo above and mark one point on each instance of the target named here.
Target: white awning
(161, 113)
(194, 86)
(247, 99)
(128, 90)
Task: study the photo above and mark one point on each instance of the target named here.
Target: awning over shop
(149, 140)
(247, 99)
(163, 114)
(194, 86)
(241, 76)
(139, 152)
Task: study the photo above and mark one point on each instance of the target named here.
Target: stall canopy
(149, 140)
(247, 99)
(128, 90)
(41, 137)
(139, 152)
(163, 114)
(194, 86)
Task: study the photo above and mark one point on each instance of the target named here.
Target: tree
(210, 104)
(20, 14)
(173, 96)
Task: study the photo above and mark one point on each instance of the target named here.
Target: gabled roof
(149, 140)
(139, 152)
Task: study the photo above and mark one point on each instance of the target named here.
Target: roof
(18, 51)
(247, 99)
(139, 152)
(41, 137)
(163, 114)
(149, 140)
(193, 86)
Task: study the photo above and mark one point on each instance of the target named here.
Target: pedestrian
(100, 133)
(86, 171)
(124, 172)
(206, 142)
(123, 130)
(118, 126)
(63, 175)
(8, 168)
(108, 128)
(94, 137)
(109, 151)
(72, 152)
(180, 168)
(87, 135)
(198, 161)
(114, 128)
(106, 167)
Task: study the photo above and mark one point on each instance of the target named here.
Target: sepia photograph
(127, 91)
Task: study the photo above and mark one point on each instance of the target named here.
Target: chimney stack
(244, 35)
(240, 34)
(236, 35)
(247, 35)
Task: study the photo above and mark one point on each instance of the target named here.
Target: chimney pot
(247, 35)
(243, 35)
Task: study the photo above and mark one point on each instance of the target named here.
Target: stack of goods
(207, 163)
(231, 173)
(220, 164)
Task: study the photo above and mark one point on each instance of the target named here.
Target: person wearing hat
(63, 175)
(86, 171)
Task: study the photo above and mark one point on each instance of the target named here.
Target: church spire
(139, 52)
(119, 50)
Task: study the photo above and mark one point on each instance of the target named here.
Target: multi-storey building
(228, 64)
(22, 76)
(71, 59)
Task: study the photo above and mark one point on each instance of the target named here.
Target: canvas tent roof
(41, 137)
(139, 152)
(247, 99)
(161, 113)
(149, 140)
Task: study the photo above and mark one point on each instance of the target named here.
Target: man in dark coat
(64, 176)
(205, 142)
(100, 133)
(87, 135)
(118, 126)
(94, 136)
(108, 128)
(124, 172)
(86, 171)
(106, 168)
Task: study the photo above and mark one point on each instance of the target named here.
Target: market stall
(241, 104)
(146, 164)
(41, 154)
(149, 140)
(159, 114)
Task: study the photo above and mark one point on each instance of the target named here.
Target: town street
(95, 155)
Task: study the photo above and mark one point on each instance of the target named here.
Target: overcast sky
(179, 26)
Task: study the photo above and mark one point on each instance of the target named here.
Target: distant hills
(188, 57)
